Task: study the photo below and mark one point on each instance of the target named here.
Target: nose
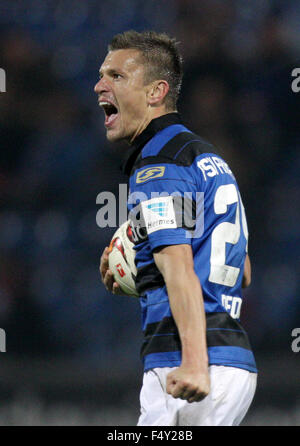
(101, 86)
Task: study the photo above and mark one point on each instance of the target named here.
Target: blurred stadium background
(72, 349)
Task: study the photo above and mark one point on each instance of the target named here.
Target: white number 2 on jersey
(223, 233)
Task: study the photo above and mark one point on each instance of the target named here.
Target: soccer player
(190, 238)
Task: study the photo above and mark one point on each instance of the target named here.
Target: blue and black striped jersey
(182, 191)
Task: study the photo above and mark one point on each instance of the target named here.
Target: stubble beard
(117, 136)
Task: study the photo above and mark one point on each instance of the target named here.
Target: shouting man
(198, 365)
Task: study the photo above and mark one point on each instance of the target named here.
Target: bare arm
(191, 380)
(247, 273)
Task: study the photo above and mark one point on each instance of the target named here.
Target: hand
(107, 275)
(188, 384)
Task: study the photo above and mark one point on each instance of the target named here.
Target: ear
(157, 92)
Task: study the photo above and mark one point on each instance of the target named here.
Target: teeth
(108, 107)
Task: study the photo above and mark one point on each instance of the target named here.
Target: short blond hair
(160, 56)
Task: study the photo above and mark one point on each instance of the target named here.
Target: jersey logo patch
(161, 208)
(159, 214)
(149, 173)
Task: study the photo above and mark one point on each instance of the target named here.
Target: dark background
(72, 349)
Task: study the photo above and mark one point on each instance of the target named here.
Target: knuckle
(201, 395)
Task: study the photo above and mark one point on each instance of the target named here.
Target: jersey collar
(155, 126)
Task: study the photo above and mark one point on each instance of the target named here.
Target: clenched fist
(188, 384)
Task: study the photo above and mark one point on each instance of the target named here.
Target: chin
(115, 136)
(112, 136)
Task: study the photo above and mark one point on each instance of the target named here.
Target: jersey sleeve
(163, 200)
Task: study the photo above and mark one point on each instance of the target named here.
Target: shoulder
(182, 150)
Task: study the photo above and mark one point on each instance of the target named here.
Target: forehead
(128, 60)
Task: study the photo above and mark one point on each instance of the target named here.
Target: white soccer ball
(121, 259)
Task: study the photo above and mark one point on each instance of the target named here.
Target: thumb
(171, 383)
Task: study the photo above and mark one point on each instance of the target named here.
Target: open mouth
(110, 111)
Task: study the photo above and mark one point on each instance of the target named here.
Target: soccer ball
(121, 259)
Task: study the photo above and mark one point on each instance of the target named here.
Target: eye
(117, 76)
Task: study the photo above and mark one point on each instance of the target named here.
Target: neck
(149, 116)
